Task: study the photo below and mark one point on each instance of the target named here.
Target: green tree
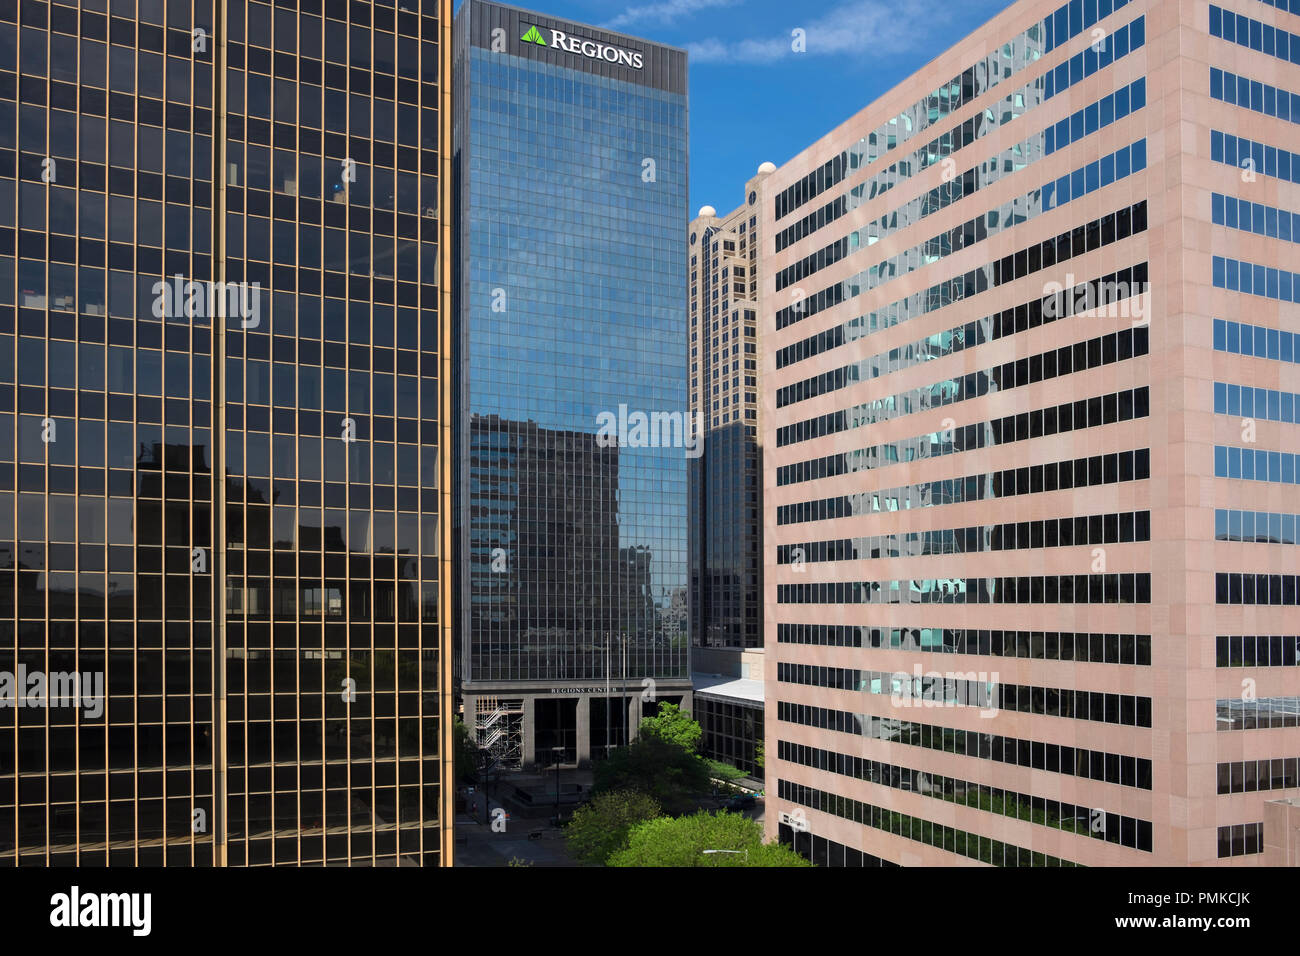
(681, 841)
(674, 724)
(760, 754)
(601, 827)
(725, 772)
(657, 767)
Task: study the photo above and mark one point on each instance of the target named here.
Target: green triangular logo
(532, 36)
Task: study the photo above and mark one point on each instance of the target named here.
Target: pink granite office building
(1031, 334)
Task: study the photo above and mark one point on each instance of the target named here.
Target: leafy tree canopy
(725, 772)
(681, 841)
(673, 724)
(601, 827)
(659, 768)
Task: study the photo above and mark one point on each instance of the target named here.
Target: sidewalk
(478, 845)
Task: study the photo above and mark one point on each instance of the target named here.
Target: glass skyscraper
(570, 169)
(223, 320)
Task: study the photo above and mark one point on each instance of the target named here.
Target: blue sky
(752, 97)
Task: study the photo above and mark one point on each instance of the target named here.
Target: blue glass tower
(570, 176)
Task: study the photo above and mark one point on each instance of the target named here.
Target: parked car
(741, 801)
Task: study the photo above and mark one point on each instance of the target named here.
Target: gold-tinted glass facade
(222, 394)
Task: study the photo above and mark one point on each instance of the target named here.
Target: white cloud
(665, 13)
(863, 27)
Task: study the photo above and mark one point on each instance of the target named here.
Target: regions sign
(591, 49)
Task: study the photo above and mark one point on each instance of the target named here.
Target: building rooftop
(723, 687)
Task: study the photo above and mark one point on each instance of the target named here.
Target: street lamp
(557, 752)
(485, 765)
(622, 643)
(746, 852)
(607, 663)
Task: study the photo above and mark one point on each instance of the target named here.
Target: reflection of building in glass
(543, 524)
(237, 523)
(570, 291)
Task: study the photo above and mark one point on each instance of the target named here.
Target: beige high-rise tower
(726, 529)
